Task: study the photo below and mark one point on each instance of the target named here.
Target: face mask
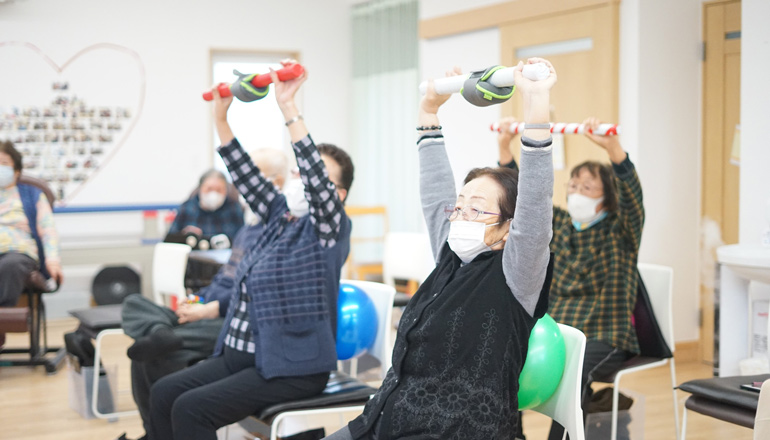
(212, 200)
(466, 239)
(582, 208)
(294, 191)
(6, 176)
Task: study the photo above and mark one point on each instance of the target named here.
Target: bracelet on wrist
(294, 119)
(545, 126)
(428, 128)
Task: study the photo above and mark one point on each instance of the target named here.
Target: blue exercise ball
(357, 322)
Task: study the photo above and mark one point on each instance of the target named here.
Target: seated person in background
(277, 341)
(27, 233)
(504, 139)
(209, 211)
(596, 246)
(168, 341)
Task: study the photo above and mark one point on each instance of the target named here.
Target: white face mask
(294, 191)
(212, 200)
(582, 208)
(7, 176)
(466, 239)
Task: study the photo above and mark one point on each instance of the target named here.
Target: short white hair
(272, 162)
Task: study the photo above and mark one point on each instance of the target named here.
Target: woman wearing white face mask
(26, 228)
(209, 212)
(463, 337)
(596, 246)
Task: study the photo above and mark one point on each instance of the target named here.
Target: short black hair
(605, 174)
(8, 148)
(508, 179)
(343, 160)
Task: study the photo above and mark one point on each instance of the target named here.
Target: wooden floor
(34, 405)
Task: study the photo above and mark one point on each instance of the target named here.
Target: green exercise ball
(544, 364)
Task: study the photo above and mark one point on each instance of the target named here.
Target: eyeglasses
(468, 212)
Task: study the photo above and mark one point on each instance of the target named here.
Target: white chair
(659, 283)
(564, 406)
(270, 420)
(406, 256)
(169, 265)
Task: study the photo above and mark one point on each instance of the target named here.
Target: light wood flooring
(34, 405)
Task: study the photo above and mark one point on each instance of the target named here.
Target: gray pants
(14, 270)
(140, 317)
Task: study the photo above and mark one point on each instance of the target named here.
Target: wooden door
(583, 47)
(721, 116)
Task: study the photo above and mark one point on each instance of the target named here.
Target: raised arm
(630, 201)
(526, 251)
(437, 185)
(504, 140)
(327, 211)
(258, 191)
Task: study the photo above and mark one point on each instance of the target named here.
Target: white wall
(437, 8)
(755, 108)
(660, 70)
(470, 143)
(654, 34)
(170, 146)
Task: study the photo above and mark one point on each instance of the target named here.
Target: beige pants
(762, 422)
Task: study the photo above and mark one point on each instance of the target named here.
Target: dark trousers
(140, 317)
(601, 359)
(193, 403)
(14, 270)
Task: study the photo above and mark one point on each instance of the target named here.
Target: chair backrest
(370, 224)
(564, 405)
(659, 281)
(39, 183)
(169, 264)
(382, 296)
(407, 256)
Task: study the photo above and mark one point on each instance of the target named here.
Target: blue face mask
(7, 176)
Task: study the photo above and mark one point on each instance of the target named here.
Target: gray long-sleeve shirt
(526, 252)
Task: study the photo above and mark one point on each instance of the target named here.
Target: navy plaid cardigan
(292, 272)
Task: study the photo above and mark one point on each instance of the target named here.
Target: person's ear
(343, 193)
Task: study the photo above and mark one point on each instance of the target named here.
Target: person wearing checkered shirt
(596, 247)
(277, 343)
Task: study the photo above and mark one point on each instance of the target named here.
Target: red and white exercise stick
(291, 71)
(566, 128)
(501, 78)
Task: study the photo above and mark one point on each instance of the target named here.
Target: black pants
(601, 360)
(195, 402)
(14, 270)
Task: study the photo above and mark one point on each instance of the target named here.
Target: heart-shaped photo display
(65, 142)
(69, 120)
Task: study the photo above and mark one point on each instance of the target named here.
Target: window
(257, 124)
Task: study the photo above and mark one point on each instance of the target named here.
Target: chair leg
(615, 397)
(95, 388)
(673, 391)
(684, 424)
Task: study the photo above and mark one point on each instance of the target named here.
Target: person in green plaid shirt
(596, 246)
